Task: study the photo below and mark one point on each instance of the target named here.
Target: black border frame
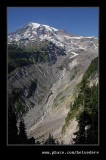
(11, 149)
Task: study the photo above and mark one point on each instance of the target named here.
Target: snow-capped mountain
(45, 68)
(34, 31)
(31, 31)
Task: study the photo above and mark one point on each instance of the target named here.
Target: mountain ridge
(34, 31)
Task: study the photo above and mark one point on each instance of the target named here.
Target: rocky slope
(47, 101)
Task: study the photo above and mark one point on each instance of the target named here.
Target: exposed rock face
(51, 98)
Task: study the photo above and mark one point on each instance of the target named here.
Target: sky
(82, 21)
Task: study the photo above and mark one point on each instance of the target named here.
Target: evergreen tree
(51, 140)
(22, 133)
(81, 135)
(12, 128)
(13, 136)
(88, 120)
(31, 140)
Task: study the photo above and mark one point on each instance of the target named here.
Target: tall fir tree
(12, 127)
(22, 133)
(51, 140)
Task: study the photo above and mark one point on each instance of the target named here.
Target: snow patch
(49, 28)
(34, 25)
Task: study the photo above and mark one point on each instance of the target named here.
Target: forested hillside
(85, 108)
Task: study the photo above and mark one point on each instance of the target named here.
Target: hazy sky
(83, 21)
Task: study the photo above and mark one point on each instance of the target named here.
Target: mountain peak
(37, 25)
(32, 31)
(32, 24)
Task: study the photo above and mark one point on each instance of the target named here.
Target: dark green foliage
(12, 99)
(31, 141)
(35, 52)
(51, 140)
(20, 109)
(72, 77)
(12, 128)
(15, 137)
(22, 133)
(73, 111)
(20, 62)
(32, 88)
(20, 137)
(88, 118)
(92, 69)
(78, 101)
(17, 102)
(19, 56)
(11, 67)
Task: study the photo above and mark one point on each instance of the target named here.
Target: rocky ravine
(58, 103)
(54, 93)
